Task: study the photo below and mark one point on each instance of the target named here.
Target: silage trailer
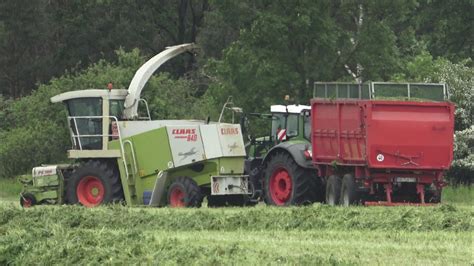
(384, 151)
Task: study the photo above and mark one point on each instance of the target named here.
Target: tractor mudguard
(295, 149)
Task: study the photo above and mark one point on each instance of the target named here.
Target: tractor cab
(290, 121)
(91, 116)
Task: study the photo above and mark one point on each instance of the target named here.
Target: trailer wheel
(94, 183)
(27, 200)
(286, 183)
(349, 194)
(184, 192)
(333, 190)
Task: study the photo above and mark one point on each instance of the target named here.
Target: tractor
(279, 164)
(121, 157)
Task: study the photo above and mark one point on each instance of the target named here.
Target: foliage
(462, 168)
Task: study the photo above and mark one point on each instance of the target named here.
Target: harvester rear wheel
(94, 183)
(333, 190)
(184, 192)
(27, 200)
(286, 183)
(349, 194)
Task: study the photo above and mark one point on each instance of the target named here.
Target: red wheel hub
(280, 186)
(177, 197)
(27, 203)
(90, 191)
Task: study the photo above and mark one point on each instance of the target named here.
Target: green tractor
(122, 157)
(279, 165)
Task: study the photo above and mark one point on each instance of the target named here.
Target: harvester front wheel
(349, 194)
(184, 192)
(333, 190)
(94, 183)
(27, 200)
(286, 183)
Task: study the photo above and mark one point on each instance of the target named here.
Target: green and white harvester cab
(122, 157)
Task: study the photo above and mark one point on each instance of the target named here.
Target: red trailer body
(390, 148)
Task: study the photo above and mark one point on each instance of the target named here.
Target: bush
(462, 168)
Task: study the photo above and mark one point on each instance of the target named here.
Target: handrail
(371, 86)
(147, 109)
(135, 168)
(78, 136)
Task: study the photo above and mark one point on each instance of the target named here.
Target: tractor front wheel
(286, 183)
(184, 192)
(94, 183)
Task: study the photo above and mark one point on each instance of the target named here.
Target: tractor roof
(93, 93)
(292, 109)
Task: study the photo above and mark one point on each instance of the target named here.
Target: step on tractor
(376, 143)
(124, 158)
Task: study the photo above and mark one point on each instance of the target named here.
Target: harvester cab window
(116, 108)
(83, 120)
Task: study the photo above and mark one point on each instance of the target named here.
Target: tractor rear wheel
(349, 194)
(286, 183)
(184, 192)
(333, 190)
(94, 183)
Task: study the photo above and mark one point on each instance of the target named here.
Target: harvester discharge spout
(144, 73)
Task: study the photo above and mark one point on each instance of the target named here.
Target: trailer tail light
(308, 154)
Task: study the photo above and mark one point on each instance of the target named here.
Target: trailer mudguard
(295, 149)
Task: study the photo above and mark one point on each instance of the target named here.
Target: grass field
(312, 235)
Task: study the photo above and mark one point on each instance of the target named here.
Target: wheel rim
(177, 197)
(90, 191)
(280, 186)
(27, 203)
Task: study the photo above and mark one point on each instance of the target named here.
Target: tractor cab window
(292, 125)
(86, 127)
(307, 125)
(278, 123)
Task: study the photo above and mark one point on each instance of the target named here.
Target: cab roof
(292, 109)
(92, 93)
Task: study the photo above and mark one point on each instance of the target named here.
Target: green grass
(459, 195)
(312, 235)
(10, 189)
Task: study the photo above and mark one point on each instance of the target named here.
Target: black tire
(192, 195)
(333, 190)
(433, 196)
(105, 174)
(349, 194)
(302, 182)
(27, 200)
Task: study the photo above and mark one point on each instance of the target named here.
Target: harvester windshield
(87, 126)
